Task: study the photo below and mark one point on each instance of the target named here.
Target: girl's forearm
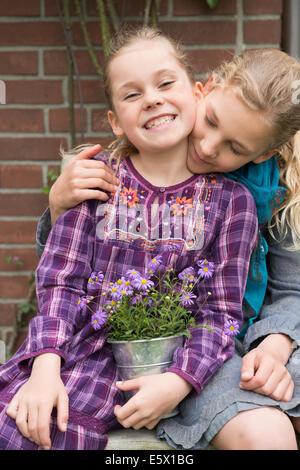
(279, 345)
(48, 362)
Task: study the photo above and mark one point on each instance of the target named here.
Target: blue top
(262, 180)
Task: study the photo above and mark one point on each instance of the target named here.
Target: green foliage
(212, 3)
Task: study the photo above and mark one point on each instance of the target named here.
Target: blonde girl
(256, 90)
(64, 363)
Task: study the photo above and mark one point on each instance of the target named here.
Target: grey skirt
(202, 417)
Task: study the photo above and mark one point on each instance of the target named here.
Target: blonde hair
(265, 80)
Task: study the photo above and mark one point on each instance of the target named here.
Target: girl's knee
(258, 429)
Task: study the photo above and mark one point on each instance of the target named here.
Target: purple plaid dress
(207, 216)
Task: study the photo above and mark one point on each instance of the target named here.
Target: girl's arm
(278, 326)
(75, 185)
(82, 178)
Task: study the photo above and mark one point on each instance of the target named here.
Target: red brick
(21, 120)
(23, 204)
(22, 62)
(18, 231)
(20, 8)
(55, 62)
(28, 257)
(194, 8)
(13, 287)
(39, 33)
(262, 31)
(260, 7)
(31, 148)
(99, 121)
(202, 32)
(7, 314)
(59, 120)
(132, 8)
(12, 176)
(204, 60)
(92, 91)
(34, 91)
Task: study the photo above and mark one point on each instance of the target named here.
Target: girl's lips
(196, 156)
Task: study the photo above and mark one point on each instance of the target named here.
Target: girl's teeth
(159, 122)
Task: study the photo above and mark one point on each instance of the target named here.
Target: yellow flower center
(143, 281)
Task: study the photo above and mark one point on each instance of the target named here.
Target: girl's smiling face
(227, 133)
(153, 97)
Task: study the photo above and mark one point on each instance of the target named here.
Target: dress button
(162, 190)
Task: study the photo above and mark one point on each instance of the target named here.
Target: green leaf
(212, 3)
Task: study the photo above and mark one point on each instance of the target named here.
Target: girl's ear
(265, 156)
(203, 90)
(114, 123)
(199, 90)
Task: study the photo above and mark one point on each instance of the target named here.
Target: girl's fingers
(93, 182)
(62, 411)
(12, 407)
(21, 420)
(32, 422)
(84, 194)
(43, 426)
(88, 152)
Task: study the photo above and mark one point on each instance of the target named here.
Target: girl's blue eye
(209, 122)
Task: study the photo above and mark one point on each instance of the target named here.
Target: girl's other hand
(263, 369)
(82, 178)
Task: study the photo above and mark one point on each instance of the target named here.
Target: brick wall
(34, 120)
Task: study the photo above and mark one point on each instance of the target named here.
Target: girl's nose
(209, 148)
(152, 98)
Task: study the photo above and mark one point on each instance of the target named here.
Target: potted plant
(147, 315)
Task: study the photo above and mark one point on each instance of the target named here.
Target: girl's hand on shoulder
(262, 372)
(156, 395)
(82, 178)
(32, 405)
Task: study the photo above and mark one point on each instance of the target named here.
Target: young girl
(251, 409)
(65, 363)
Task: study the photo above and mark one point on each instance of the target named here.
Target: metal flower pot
(145, 357)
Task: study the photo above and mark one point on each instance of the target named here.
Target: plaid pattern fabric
(207, 216)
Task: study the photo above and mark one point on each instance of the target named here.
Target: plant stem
(104, 26)
(113, 15)
(67, 23)
(87, 39)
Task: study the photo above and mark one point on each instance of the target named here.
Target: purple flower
(137, 298)
(231, 327)
(95, 280)
(206, 268)
(142, 283)
(99, 319)
(188, 274)
(132, 274)
(83, 301)
(186, 299)
(115, 291)
(155, 263)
